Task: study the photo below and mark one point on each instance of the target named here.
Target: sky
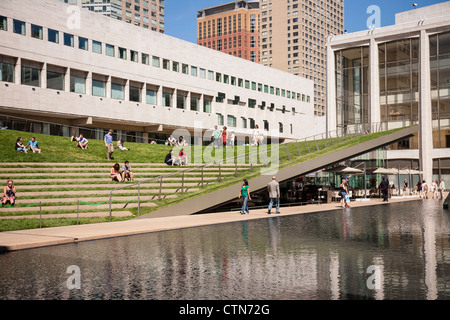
(181, 15)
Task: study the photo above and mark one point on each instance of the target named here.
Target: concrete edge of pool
(35, 238)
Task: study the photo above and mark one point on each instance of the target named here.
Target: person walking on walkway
(273, 188)
(245, 194)
(442, 188)
(384, 186)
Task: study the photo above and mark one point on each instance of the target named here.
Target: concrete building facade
(231, 28)
(105, 73)
(397, 76)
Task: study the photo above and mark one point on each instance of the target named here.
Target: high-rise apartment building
(293, 39)
(148, 14)
(232, 28)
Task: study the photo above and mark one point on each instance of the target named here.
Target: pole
(40, 214)
(139, 199)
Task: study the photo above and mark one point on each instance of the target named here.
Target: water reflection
(313, 256)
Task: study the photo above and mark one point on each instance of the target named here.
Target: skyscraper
(148, 14)
(232, 28)
(293, 39)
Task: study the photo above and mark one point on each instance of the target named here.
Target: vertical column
(108, 87)
(18, 71)
(89, 83)
(127, 90)
(331, 91)
(425, 119)
(159, 96)
(67, 80)
(374, 83)
(144, 93)
(44, 76)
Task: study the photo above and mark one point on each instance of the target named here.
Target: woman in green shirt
(245, 193)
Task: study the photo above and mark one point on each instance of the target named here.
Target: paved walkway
(26, 239)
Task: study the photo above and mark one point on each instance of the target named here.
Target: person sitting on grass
(115, 173)
(34, 145)
(9, 193)
(120, 145)
(82, 142)
(169, 159)
(126, 171)
(182, 155)
(19, 146)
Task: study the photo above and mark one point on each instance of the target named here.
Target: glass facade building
(393, 77)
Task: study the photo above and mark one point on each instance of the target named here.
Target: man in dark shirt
(384, 186)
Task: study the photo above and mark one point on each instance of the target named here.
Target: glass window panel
(117, 91)
(3, 23)
(98, 88)
(207, 105)
(145, 58)
(398, 76)
(167, 99)
(185, 68)
(110, 50)
(166, 64)
(83, 43)
(6, 72)
(444, 43)
(195, 101)
(433, 45)
(68, 40)
(151, 96)
(194, 71)
(96, 46)
(53, 35)
(36, 32)
(31, 76)
(19, 27)
(202, 73)
(55, 80)
(181, 101)
(398, 50)
(135, 94)
(155, 62)
(77, 84)
(122, 53)
(351, 57)
(175, 66)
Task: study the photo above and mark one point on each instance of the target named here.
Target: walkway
(26, 239)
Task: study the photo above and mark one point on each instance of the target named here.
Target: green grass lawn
(61, 149)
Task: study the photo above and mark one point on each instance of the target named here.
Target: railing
(334, 137)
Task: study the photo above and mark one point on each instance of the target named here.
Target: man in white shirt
(442, 188)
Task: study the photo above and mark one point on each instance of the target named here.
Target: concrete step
(99, 185)
(98, 199)
(71, 215)
(75, 207)
(90, 174)
(81, 193)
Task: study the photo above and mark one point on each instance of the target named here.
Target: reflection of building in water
(311, 256)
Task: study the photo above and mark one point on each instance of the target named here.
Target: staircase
(74, 190)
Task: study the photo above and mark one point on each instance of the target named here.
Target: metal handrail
(235, 158)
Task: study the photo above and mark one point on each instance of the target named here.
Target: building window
(206, 105)
(167, 99)
(98, 88)
(135, 94)
(185, 68)
(166, 64)
(77, 84)
(195, 102)
(96, 46)
(68, 40)
(155, 61)
(145, 58)
(175, 66)
(19, 27)
(117, 91)
(36, 32)
(31, 76)
(6, 72)
(220, 119)
(280, 127)
(55, 80)
(231, 121)
(110, 50)
(83, 43)
(194, 71)
(122, 53)
(134, 56)
(151, 96)
(3, 23)
(181, 100)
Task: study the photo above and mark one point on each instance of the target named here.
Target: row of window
(133, 56)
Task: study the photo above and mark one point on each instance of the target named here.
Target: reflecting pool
(395, 251)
